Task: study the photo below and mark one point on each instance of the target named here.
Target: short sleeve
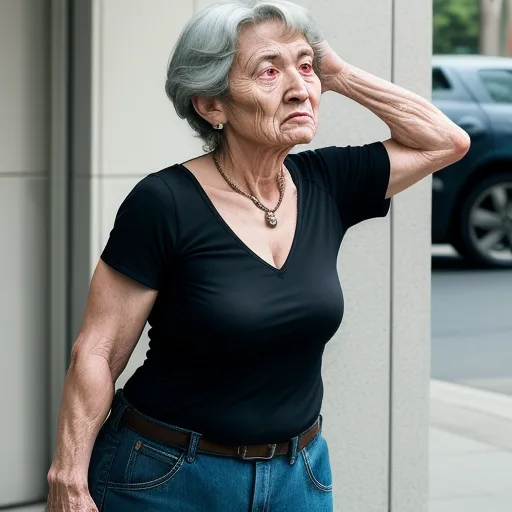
(356, 176)
(141, 244)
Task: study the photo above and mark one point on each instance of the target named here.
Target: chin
(302, 136)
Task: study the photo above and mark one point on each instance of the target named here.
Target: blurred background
(471, 389)
(472, 27)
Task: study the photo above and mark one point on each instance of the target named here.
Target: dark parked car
(472, 199)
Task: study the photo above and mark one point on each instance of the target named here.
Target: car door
(488, 237)
(454, 99)
(458, 102)
(495, 98)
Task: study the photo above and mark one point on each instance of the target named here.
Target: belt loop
(119, 405)
(192, 447)
(294, 443)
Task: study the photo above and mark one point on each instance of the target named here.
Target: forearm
(412, 120)
(86, 400)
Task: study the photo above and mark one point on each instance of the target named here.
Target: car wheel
(483, 233)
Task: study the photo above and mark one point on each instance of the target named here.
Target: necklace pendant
(270, 217)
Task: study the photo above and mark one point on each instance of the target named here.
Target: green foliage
(456, 26)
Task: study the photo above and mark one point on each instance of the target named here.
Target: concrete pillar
(24, 171)
(410, 272)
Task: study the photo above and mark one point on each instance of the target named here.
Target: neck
(253, 169)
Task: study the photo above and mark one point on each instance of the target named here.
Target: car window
(498, 83)
(439, 81)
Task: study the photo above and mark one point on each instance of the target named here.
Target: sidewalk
(468, 476)
(470, 450)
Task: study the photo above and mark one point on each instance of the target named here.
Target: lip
(298, 114)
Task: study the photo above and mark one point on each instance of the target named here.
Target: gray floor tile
(470, 504)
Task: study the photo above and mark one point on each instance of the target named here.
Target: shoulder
(156, 189)
(336, 166)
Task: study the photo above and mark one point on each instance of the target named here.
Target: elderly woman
(231, 258)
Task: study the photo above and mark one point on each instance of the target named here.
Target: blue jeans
(129, 472)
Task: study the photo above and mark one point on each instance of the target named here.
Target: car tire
(483, 230)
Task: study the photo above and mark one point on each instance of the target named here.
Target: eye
(269, 73)
(306, 67)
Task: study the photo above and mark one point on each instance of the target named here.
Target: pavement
(470, 450)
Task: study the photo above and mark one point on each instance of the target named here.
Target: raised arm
(115, 315)
(423, 140)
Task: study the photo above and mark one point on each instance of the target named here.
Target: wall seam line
(391, 297)
(69, 174)
(99, 163)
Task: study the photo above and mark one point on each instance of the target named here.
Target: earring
(218, 126)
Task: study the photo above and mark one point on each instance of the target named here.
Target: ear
(210, 109)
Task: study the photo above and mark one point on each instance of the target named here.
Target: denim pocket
(142, 464)
(317, 463)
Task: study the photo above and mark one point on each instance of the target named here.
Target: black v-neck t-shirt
(236, 344)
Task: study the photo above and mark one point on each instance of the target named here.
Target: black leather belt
(172, 437)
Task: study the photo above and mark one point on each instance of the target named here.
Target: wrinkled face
(275, 94)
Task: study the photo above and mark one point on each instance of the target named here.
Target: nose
(296, 92)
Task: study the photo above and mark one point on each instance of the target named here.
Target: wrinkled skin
(69, 497)
(264, 90)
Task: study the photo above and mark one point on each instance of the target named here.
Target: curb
(485, 402)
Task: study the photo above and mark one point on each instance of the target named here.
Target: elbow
(92, 367)
(85, 356)
(461, 143)
(79, 354)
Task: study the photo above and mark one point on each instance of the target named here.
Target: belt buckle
(244, 456)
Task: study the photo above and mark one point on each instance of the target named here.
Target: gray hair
(204, 53)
